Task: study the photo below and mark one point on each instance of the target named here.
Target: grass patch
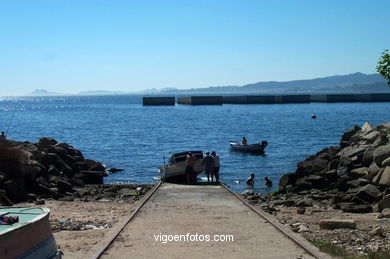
(330, 249)
(334, 250)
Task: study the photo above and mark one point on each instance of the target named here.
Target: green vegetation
(333, 250)
(383, 66)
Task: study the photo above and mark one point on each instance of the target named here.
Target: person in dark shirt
(208, 164)
(251, 180)
(267, 182)
(190, 162)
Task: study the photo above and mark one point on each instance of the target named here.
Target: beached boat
(30, 237)
(174, 170)
(255, 148)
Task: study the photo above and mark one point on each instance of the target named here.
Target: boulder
(342, 172)
(385, 178)
(372, 171)
(347, 135)
(247, 192)
(359, 151)
(287, 179)
(369, 193)
(11, 188)
(384, 203)
(368, 156)
(46, 142)
(333, 164)
(301, 185)
(386, 162)
(319, 165)
(378, 177)
(93, 177)
(64, 186)
(4, 199)
(331, 175)
(358, 172)
(93, 165)
(357, 183)
(366, 128)
(356, 208)
(371, 136)
(337, 223)
(381, 153)
(385, 213)
(43, 181)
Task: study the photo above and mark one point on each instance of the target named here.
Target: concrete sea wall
(148, 101)
(266, 99)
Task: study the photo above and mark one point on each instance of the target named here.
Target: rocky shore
(339, 197)
(51, 169)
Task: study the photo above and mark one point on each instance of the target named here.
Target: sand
(70, 219)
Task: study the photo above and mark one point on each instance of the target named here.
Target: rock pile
(354, 177)
(44, 169)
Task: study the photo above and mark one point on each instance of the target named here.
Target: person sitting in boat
(208, 164)
(190, 162)
(251, 180)
(267, 182)
(243, 141)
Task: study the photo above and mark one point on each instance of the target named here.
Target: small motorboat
(174, 171)
(254, 148)
(29, 236)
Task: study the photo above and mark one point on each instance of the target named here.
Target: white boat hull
(177, 169)
(258, 147)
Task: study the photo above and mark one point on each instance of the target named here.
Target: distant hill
(43, 92)
(354, 83)
(101, 92)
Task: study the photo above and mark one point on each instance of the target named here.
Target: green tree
(383, 66)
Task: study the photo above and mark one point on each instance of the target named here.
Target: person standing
(244, 141)
(251, 180)
(208, 165)
(267, 182)
(190, 162)
(215, 171)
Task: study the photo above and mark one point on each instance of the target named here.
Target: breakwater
(267, 99)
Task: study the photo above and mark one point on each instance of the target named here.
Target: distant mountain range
(352, 83)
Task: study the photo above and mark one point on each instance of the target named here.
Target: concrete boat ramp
(177, 219)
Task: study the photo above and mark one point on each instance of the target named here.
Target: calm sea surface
(120, 132)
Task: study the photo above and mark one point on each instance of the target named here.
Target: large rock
(359, 172)
(386, 162)
(347, 136)
(287, 179)
(372, 171)
(337, 223)
(385, 178)
(93, 177)
(358, 208)
(319, 165)
(46, 142)
(368, 156)
(371, 136)
(381, 153)
(366, 128)
(369, 193)
(384, 203)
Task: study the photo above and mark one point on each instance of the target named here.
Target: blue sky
(71, 46)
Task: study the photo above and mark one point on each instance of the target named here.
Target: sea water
(121, 133)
